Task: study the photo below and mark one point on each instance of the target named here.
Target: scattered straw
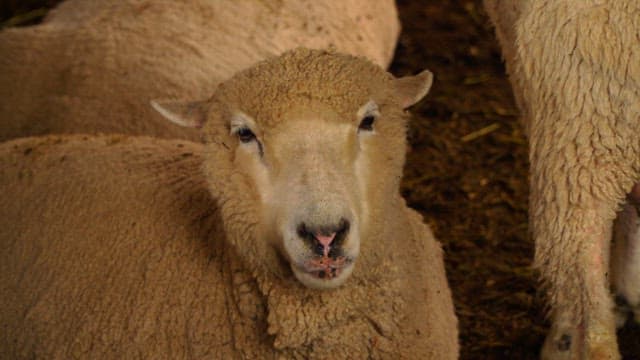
(480, 133)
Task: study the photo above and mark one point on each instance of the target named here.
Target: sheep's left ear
(411, 89)
(184, 113)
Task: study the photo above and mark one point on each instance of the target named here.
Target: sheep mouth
(326, 268)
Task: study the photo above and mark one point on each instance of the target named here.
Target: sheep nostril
(302, 231)
(343, 227)
(341, 232)
(324, 240)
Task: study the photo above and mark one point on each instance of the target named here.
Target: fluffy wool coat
(117, 247)
(575, 70)
(112, 247)
(93, 66)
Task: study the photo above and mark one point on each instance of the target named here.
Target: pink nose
(325, 241)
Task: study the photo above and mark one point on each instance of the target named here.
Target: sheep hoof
(557, 347)
(558, 344)
(567, 344)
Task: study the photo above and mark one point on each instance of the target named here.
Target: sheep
(93, 66)
(575, 70)
(284, 235)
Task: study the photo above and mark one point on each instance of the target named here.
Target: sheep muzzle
(326, 263)
(326, 267)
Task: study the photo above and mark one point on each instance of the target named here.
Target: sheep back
(93, 66)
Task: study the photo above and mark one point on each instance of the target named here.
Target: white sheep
(120, 247)
(575, 70)
(93, 66)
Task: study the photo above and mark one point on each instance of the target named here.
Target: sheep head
(304, 152)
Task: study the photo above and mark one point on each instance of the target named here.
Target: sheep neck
(298, 320)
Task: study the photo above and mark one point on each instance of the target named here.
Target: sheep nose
(324, 241)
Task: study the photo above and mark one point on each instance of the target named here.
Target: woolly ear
(411, 89)
(184, 113)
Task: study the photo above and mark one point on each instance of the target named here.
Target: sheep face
(310, 173)
(305, 162)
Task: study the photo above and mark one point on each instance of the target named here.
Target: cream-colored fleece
(93, 66)
(575, 70)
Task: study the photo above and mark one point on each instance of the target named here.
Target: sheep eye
(245, 135)
(367, 123)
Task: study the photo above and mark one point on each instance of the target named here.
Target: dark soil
(466, 173)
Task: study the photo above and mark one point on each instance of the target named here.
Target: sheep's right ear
(184, 113)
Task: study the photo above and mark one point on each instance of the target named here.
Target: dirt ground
(466, 173)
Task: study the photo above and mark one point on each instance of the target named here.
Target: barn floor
(466, 173)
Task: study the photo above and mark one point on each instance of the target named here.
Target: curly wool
(112, 247)
(302, 77)
(575, 70)
(144, 252)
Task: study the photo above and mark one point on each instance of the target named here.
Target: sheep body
(575, 69)
(112, 247)
(119, 241)
(93, 66)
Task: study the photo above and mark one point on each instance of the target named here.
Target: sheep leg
(572, 252)
(625, 259)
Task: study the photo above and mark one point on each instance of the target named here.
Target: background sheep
(143, 267)
(93, 66)
(575, 69)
